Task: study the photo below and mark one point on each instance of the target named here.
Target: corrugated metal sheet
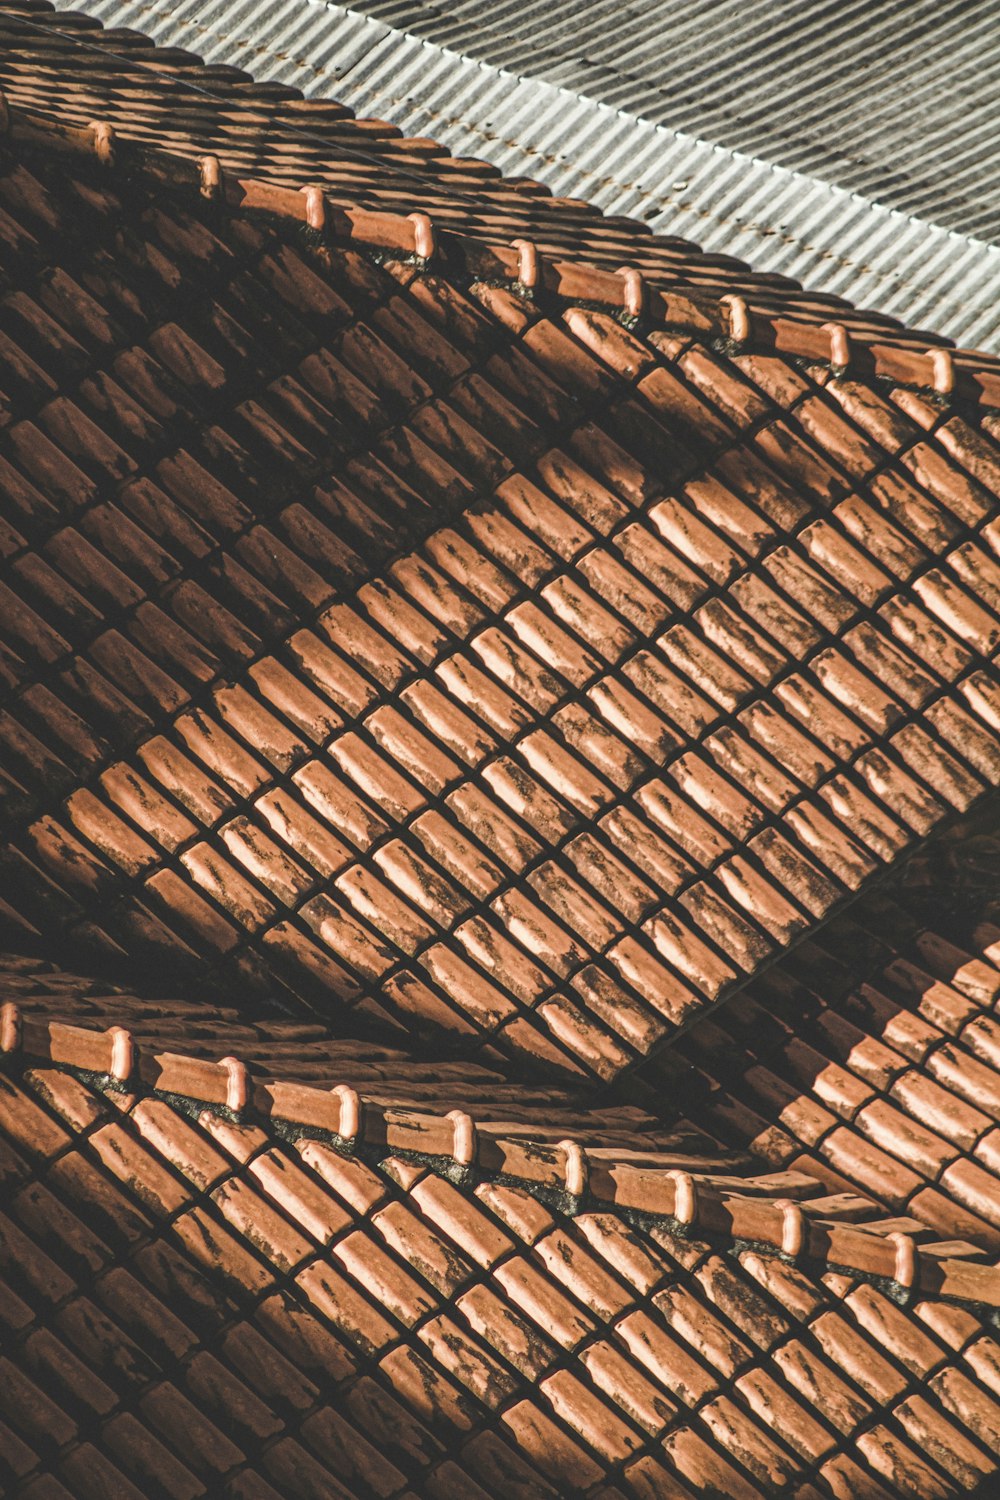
(792, 142)
(895, 99)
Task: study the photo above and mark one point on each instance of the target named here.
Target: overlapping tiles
(196, 1305)
(169, 99)
(868, 1058)
(458, 687)
(529, 683)
(295, 1052)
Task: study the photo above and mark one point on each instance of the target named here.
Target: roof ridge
(765, 1211)
(849, 346)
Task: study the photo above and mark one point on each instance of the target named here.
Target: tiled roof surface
(450, 658)
(454, 671)
(847, 145)
(277, 1050)
(197, 1302)
(167, 97)
(870, 1057)
(861, 1074)
(194, 1306)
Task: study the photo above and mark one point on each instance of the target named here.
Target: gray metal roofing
(845, 143)
(897, 101)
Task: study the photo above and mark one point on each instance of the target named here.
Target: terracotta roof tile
(877, 1077)
(457, 668)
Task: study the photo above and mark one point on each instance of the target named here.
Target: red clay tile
(551, 767)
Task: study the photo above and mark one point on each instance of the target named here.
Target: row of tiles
(271, 133)
(460, 1327)
(292, 1052)
(706, 306)
(858, 340)
(866, 1059)
(347, 179)
(434, 603)
(960, 501)
(891, 1089)
(174, 361)
(680, 1175)
(677, 285)
(585, 1430)
(885, 1087)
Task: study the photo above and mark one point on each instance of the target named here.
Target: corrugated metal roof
(895, 101)
(841, 144)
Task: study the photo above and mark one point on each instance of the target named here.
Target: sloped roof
(198, 1306)
(847, 145)
(423, 1306)
(461, 659)
(173, 1040)
(441, 673)
(167, 97)
(860, 1075)
(869, 1057)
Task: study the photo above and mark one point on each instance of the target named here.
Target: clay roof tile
(466, 661)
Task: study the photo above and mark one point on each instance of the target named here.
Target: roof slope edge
(772, 1212)
(853, 345)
